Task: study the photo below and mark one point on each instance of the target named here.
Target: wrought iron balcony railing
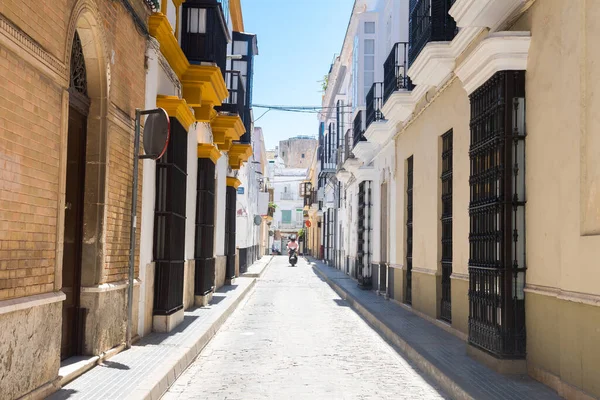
(374, 103)
(234, 103)
(358, 129)
(287, 196)
(204, 33)
(395, 71)
(429, 22)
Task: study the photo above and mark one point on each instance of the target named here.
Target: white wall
(158, 81)
(220, 188)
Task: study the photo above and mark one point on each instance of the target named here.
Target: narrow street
(293, 337)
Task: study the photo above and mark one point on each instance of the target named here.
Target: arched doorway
(79, 104)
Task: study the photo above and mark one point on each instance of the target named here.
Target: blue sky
(297, 40)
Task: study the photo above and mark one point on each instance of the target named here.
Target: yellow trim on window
(233, 182)
(207, 150)
(239, 153)
(177, 108)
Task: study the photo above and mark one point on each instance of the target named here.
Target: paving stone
(295, 338)
(441, 349)
(135, 372)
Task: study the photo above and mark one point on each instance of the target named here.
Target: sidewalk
(153, 363)
(436, 352)
(258, 267)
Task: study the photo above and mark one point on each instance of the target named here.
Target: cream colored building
(494, 180)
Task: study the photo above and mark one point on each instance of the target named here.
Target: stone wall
(297, 152)
(29, 349)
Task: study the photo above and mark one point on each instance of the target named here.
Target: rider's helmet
(293, 238)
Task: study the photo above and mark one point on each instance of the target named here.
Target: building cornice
(437, 59)
(176, 108)
(233, 182)
(483, 13)
(207, 150)
(501, 51)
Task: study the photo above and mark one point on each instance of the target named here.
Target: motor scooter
(293, 257)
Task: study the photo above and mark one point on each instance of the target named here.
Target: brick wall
(30, 139)
(29, 163)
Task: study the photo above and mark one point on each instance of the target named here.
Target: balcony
(358, 129)
(429, 22)
(204, 34)
(395, 71)
(374, 103)
(287, 196)
(290, 225)
(310, 198)
(234, 103)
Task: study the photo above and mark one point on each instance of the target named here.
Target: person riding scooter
(292, 247)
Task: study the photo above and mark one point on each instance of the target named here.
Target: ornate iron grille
(205, 228)
(409, 229)
(169, 223)
(429, 22)
(358, 132)
(230, 202)
(497, 216)
(374, 103)
(363, 253)
(395, 71)
(78, 72)
(446, 178)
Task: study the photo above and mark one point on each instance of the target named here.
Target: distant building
(297, 152)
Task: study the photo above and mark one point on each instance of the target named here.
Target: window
(446, 219)
(369, 64)
(302, 155)
(497, 216)
(283, 154)
(369, 27)
(409, 229)
(286, 216)
(240, 47)
(196, 20)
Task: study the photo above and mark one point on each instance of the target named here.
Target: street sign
(240, 190)
(157, 131)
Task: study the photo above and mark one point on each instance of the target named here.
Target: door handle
(68, 205)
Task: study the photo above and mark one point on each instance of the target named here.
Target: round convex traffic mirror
(157, 131)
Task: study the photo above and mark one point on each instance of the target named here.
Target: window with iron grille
(409, 229)
(446, 219)
(363, 253)
(169, 223)
(230, 228)
(205, 228)
(497, 216)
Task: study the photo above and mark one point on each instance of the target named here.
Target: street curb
(258, 274)
(445, 382)
(159, 383)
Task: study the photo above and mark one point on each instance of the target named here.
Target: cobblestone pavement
(294, 338)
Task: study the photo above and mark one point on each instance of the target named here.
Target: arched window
(78, 82)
